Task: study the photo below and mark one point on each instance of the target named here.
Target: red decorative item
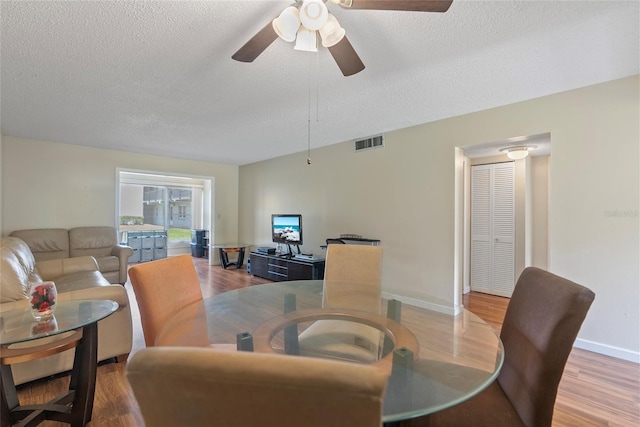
(43, 300)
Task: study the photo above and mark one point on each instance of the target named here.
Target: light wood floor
(595, 390)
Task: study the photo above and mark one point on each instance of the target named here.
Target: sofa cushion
(45, 243)
(18, 270)
(53, 268)
(80, 280)
(90, 285)
(95, 241)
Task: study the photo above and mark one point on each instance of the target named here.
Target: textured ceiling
(157, 76)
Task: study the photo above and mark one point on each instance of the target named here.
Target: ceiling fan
(301, 22)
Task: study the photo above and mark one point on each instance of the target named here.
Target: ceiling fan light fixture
(331, 32)
(313, 14)
(306, 41)
(286, 25)
(517, 153)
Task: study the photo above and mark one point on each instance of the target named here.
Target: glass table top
(230, 245)
(19, 325)
(456, 356)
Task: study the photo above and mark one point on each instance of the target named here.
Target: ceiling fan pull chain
(309, 117)
(317, 87)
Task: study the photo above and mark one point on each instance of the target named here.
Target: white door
(493, 228)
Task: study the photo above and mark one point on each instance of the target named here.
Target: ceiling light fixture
(301, 21)
(287, 24)
(306, 41)
(517, 153)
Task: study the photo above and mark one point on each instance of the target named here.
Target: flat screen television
(286, 228)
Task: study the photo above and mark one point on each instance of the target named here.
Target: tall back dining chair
(177, 386)
(162, 288)
(359, 266)
(542, 321)
(352, 280)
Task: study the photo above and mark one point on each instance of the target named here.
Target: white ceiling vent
(371, 142)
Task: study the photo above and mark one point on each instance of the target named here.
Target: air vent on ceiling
(371, 142)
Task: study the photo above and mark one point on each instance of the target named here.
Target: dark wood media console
(279, 269)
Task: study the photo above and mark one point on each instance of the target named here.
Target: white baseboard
(440, 308)
(608, 350)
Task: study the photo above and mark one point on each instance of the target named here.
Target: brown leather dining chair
(163, 288)
(542, 321)
(352, 280)
(179, 386)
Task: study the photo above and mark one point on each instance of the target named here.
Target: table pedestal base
(74, 407)
(224, 257)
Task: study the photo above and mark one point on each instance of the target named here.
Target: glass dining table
(434, 360)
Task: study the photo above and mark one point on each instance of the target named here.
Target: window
(175, 204)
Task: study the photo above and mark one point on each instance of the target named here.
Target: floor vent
(371, 142)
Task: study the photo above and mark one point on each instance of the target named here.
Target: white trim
(155, 178)
(454, 311)
(458, 227)
(608, 350)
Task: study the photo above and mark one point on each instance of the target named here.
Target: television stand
(279, 268)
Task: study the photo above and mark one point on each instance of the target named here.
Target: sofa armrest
(54, 268)
(123, 253)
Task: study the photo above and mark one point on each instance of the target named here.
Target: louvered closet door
(493, 228)
(481, 228)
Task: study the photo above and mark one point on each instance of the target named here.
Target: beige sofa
(98, 242)
(75, 278)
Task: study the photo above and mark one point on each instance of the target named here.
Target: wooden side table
(226, 249)
(77, 323)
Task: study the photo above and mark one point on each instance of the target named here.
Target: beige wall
(403, 194)
(49, 184)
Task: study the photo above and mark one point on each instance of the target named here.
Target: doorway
(531, 205)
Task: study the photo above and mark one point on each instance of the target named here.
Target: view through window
(163, 207)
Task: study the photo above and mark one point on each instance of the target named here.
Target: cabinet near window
(281, 269)
(148, 245)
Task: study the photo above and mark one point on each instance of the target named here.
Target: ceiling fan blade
(346, 57)
(405, 5)
(258, 43)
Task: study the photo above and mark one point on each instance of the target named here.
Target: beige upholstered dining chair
(177, 386)
(352, 280)
(542, 321)
(163, 288)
